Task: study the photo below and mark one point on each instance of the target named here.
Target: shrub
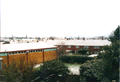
(18, 71)
(72, 51)
(74, 59)
(96, 71)
(83, 51)
(51, 70)
(87, 72)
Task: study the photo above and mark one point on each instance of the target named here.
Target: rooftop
(79, 42)
(24, 46)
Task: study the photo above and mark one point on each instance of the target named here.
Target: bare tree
(61, 50)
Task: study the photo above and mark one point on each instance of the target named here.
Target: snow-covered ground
(93, 55)
(74, 68)
(38, 65)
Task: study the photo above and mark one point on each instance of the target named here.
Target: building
(74, 45)
(39, 52)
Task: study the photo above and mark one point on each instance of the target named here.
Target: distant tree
(12, 37)
(65, 38)
(38, 38)
(61, 50)
(26, 37)
(78, 37)
(115, 35)
(52, 37)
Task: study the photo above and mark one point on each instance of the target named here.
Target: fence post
(8, 59)
(43, 55)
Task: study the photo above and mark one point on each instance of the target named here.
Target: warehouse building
(39, 52)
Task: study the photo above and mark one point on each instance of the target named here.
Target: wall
(37, 57)
(4, 61)
(16, 57)
(50, 55)
(91, 48)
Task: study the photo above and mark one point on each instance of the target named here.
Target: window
(69, 46)
(15, 52)
(21, 51)
(86, 46)
(95, 52)
(33, 50)
(12, 52)
(60, 46)
(77, 46)
(38, 50)
(96, 47)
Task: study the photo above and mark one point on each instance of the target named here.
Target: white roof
(79, 42)
(24, 46)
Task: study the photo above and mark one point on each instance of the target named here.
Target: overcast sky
(59, 18)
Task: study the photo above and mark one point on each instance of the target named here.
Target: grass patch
(72, 65)
(38, 68)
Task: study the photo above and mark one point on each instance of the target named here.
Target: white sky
(59, 18)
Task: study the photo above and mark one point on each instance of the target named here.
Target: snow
(74, 68)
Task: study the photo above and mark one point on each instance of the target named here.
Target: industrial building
(39, 52)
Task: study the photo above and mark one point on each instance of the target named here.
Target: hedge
(75, 59)
(87, 73)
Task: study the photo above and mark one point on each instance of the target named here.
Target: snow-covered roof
(79, 42)
(24, 46)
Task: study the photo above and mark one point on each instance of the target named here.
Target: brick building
(74, 45)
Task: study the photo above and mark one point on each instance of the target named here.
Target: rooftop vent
(83, 38)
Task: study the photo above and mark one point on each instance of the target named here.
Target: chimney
(83, 38)
(102, 38)
(52, 38)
